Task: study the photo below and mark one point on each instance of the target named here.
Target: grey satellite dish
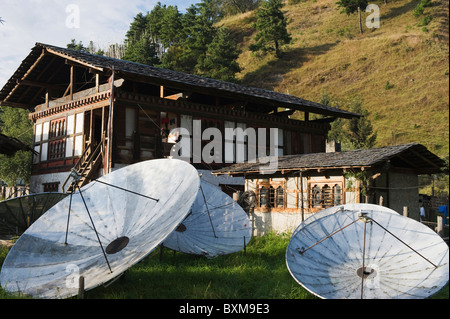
(216, 225)
(17, 214)
(114, 223)
(368, 252)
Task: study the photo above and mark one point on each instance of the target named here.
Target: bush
(425, 21)
(418, 11)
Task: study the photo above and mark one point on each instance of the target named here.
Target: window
(59, 138)
(323, 194)
(280, 196)
(51, 187)
(337, 195)
(316, 196)
(271, 194)
(263, 197)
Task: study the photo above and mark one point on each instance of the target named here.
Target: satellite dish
(114, 223)
(17, 214)
(216, 225)
(369, 252)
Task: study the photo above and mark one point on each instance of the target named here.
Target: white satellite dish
(369, 252)
(216, 225)
(114, 222)
(17, 214)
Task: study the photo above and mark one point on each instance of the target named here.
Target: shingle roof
(414, 156)
(173, 78)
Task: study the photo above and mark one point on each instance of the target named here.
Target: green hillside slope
(399, 71)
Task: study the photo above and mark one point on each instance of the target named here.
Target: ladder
(86, 167)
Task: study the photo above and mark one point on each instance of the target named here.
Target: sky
(56, 22)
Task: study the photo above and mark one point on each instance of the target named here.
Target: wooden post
(72, 81)
(405, 211)
(301, 195)
(97, 83)
(440, 226)
(81, 287)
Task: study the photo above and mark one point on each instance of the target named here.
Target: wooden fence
(7, 192)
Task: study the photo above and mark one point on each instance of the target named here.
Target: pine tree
(140, 46)
(360, 131)
(271, 25)
(220, 59)
(170, 31)
(142, 50)
(73, 45)
(352, 6)
(196, 34)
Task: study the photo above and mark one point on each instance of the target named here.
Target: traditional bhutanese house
(304, 184)
(97, 114)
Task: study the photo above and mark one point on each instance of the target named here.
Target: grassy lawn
(259, 273)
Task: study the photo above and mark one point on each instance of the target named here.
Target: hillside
(399, 71)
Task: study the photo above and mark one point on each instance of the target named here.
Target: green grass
(259, 273)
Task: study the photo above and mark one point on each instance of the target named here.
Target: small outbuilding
(304, 184)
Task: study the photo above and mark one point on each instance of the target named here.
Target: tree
(239, 6)
(352, 6)
(220, 59)
(142, 51)
(360, 131)
(356, 133)
(271, 25)
(73, 45)
(15, 123)
(182, 41)
(196, 34)
(170, 33)
(140, 46)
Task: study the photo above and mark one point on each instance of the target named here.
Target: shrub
(418, 11)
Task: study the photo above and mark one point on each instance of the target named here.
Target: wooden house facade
(97, 114)
(307, 183)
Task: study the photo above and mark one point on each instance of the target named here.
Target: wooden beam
(40, 84)
(424, 159)
(74, 60)
(83, 64)
(26, 74)
(54, 72)
(15, 104)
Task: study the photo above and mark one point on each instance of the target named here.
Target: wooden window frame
(275, 194)
(327, 196)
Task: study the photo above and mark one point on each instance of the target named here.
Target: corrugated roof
(414, 156)
(172, 78)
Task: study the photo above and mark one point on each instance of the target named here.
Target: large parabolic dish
(368, 252)
(216, 225)
(114, 222)
(17, 214)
